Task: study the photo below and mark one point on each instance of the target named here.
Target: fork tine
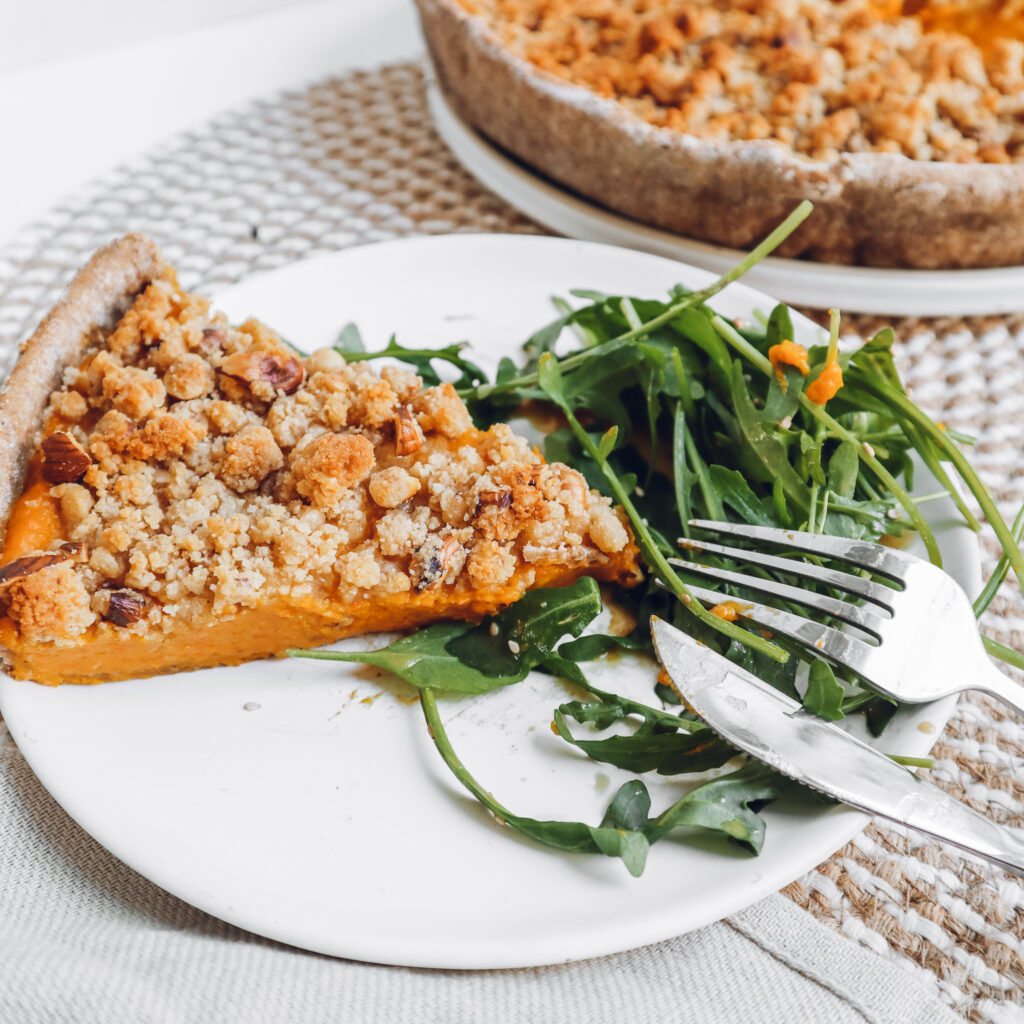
(875, 557)
(822, 640)
(876, 592)
(842, 610)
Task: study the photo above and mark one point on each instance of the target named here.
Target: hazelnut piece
(125, 607)
(28, 565)
(64, 458)
(408, 436)
(282, 372)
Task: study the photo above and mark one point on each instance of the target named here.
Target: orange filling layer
(107, 652)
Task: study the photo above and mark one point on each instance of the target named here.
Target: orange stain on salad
(826, 385)
(729, 610)
(788, 353)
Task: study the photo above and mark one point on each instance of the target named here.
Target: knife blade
(775, 729)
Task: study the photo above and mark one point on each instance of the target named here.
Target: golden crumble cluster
(823, 77)
(200, 468)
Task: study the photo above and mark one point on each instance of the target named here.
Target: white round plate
(324, 817)
(884, 291)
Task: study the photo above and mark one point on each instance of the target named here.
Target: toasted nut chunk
(76, 551)
(29, 564)
(64, 459)
(430, 562)
(499, 500)
(125, 607)
(408, 435)
(392, 486)
(189, 376)
(212, 340)
(281, 372)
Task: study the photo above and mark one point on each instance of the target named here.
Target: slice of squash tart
(179, 493)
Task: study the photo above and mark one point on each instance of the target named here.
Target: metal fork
(924, 641)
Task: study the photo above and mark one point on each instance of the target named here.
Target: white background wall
(157, 70)
(32, 31)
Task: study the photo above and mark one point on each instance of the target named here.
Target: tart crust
(872, 209)
(181, 493)
(96, 298)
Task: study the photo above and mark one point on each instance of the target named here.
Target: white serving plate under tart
(305, 801)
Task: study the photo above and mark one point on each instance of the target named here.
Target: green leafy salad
(677, 413)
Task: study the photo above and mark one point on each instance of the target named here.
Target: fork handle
(1003, 686)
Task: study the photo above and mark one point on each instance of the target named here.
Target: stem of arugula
(995, 581)
(1004, 653)
(981, 493)
(836, 429)
(656, 561)
(437, 733)
(758, 253)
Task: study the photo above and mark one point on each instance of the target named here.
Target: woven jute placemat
(356, 160)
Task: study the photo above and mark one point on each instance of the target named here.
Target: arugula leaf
(523, 635)
(733, 490)
(619, 835)
(825, 694)
(726, 805)
(461, 657)
(765, 444)
(418, 358)
(423, 659)
(667, 753)
(350, 339)
(843, 468)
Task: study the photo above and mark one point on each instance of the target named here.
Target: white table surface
(65, 120)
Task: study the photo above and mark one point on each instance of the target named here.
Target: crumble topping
(200, 468)
(822, 77)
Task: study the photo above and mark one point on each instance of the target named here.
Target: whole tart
(178, 492)
(714, 120)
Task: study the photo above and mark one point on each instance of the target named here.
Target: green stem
(836, 429)
(981, 493)
(912, 762)
(758, 253)
(655, 560)
(1002, 652)
(995, 581)
(437, 733)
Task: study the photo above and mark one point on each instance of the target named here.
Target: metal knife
(775, 729)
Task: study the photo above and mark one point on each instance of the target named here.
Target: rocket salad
(677, 413)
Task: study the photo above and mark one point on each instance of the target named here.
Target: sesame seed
(251, 706)
(494, 629)
(868, 448)
(513, 647)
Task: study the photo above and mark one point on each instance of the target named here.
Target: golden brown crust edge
(871, 209)
(97, 297)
